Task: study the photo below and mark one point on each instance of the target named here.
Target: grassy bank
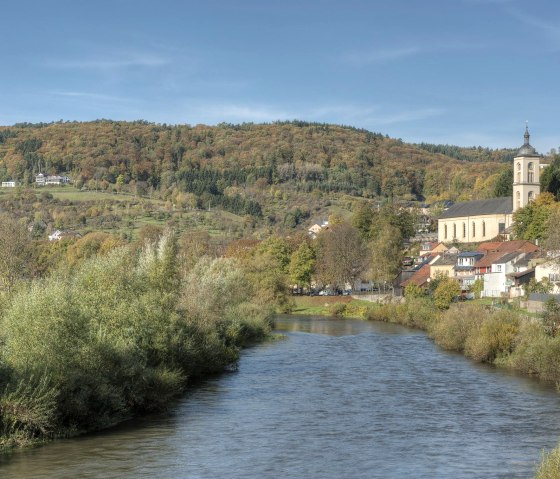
(116, 337)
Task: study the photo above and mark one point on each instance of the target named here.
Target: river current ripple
(334, 399)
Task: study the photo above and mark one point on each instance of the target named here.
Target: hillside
(261, 170)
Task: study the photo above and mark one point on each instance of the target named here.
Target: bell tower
(526, 174)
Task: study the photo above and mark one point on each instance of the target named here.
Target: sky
(462, 72)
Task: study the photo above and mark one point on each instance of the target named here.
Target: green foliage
(477, 288)
(492, 337)
(302, 265)
(118, 336)
(337, 309)
(446, 292)
(550, 177)
(504, 184)
(540, 287)
(551, 317)
(530, 222)
(413, 291)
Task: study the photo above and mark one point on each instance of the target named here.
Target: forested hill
(232, 159)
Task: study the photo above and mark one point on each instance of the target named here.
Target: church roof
(526, 150)
(491, 206)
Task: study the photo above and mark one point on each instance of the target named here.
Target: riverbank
(118, 337)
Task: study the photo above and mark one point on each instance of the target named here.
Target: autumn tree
(530, 222)
(386, 254)
(341, 255)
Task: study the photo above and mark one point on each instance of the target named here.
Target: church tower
(526, 174)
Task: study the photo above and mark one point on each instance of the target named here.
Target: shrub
(456, 325)
(549, 467)
(447, 290)
(337, 309)
(492, 337)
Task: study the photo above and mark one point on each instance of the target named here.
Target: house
(443, 265)
(465, 270)
(314, 230)
(433, 247)
(508, 274)
(420, 278)
(550, 270)
(10, 184)
(42, 180)
(480, 220)
(59, 234)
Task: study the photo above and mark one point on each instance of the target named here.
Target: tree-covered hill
(241, 167)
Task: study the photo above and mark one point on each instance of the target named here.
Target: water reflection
(357, 400)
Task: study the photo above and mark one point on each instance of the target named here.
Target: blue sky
(464, 72)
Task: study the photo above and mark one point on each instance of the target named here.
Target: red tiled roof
(420, 278)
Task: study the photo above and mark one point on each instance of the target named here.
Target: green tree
(550, 177)
(302, 265)
(447, 290)
(504, 184)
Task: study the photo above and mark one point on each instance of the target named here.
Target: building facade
(482, 220)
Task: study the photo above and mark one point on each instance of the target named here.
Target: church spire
(526, 135)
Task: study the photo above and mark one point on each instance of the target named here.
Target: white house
(496, 281)
(550, 271)
(10, 184)
(42, 180)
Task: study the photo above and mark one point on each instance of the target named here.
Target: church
(482, 220)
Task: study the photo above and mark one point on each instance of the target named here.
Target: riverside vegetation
(118, 335)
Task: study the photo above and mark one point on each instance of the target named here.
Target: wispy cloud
(216, 113)
(378, 55)
(110, 63)
(372, 116)
(89, 96)
(551, 29)
(366, 117)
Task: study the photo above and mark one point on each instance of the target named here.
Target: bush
(447, 290)
(456, 325)
(118, 336)
(549, 467)
(492, 337)
(337, 309)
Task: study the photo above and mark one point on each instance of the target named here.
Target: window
(445, 232)
(483, 229)
(473, 230)
(499, 268)
(518, 199)
(531, 196)
(554, 277)
(530, 173)
(454, 231)
(464, 230)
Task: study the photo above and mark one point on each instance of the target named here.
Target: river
(335, 399)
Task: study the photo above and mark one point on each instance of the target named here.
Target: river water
(335, 399)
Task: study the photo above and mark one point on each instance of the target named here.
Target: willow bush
(120, 335)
